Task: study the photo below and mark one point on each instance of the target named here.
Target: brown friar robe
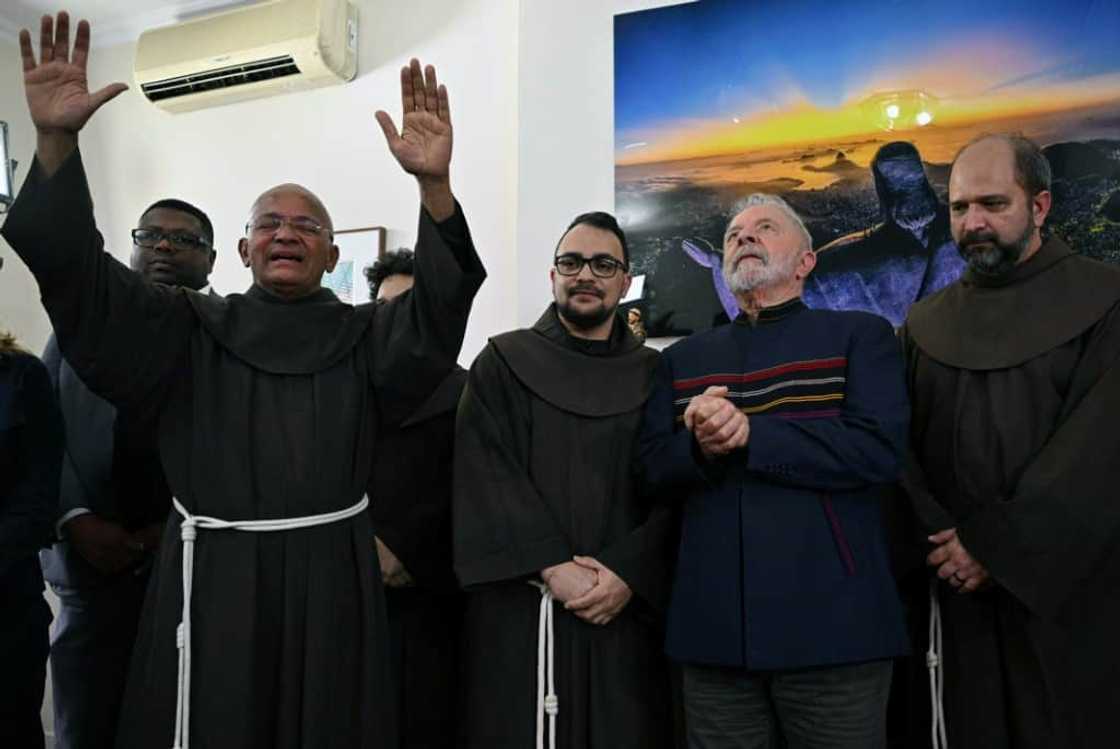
(264, 408)
(544, 470)
(1015, 386)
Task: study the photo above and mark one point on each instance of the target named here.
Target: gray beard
(998, 259)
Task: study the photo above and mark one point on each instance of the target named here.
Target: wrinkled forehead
(756, 214)
(291, 200)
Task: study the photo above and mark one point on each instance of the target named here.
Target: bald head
(1030, 167)
(315, 207)
(289, 242)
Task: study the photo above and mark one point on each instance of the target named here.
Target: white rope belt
(934, 658)
(188, 531)
(547, 702)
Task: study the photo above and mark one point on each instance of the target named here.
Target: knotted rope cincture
(935, 664)
(548, 704)
(188, 532)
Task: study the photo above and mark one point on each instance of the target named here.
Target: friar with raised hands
(264, 621)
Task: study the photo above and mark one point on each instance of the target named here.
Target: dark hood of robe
(583, 377)
(965, 325)
(283, 336)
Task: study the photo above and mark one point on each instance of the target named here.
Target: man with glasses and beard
(565, 562)
(779, 435)
(113, 503)
(1014, 373)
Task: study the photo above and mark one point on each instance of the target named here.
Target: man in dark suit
(114, 499)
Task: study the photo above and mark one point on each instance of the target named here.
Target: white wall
(20, 310)
(531, 84)
(566, 140)
(326, 139)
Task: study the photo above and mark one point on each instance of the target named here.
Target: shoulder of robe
(594, 386)
(283, 338)
(984, 328)
(444, 398)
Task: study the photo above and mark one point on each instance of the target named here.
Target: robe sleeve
(503, 528)
(645, 556)
(27, 514)
(932, 517)
(1060, 527)
(124, 336)
(417, 336)
(863, 446)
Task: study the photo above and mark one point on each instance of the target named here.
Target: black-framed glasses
(179, 240)
(603, 266)
(270, 223)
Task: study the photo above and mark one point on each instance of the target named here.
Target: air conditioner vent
(228, 77)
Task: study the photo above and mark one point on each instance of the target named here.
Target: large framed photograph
(357, 250)
(852, 112)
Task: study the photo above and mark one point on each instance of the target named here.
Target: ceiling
(111, 21)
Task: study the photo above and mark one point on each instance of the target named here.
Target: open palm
(423, 147)
(58, 95)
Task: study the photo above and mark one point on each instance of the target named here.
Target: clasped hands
(107, 546)
(716, 424)
(588, 589)
(955, 565)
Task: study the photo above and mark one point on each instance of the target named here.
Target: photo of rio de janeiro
(852, 112)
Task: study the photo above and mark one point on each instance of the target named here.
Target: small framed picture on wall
(357, 250)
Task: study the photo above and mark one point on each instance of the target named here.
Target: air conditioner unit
(259, 50)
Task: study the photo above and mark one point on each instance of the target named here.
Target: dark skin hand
(58, 96)
(104, 544)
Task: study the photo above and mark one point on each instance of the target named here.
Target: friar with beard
(906, 257)
(565, 562)
(1014, 374)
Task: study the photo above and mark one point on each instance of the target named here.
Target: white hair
(763, 198)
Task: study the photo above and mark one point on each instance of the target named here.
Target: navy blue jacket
(783, 557)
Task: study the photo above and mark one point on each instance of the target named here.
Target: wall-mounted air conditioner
(249, 52)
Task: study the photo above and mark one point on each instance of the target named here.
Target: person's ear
(332, 258)
(243, 251)
(806, 264)
(1040, 207)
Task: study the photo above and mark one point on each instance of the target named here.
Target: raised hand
(58, 95)
(423, 147)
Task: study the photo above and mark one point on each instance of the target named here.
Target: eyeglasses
(603, 266)
(270, 223)
(177, 239)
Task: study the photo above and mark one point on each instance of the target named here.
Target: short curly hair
(396, 263)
